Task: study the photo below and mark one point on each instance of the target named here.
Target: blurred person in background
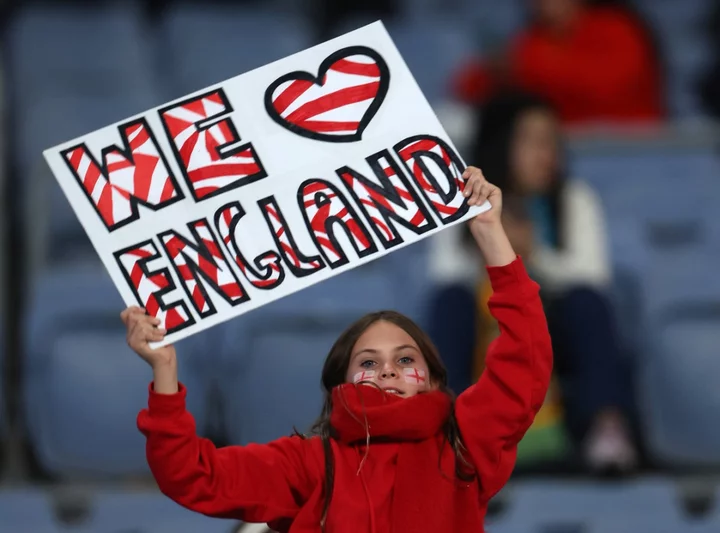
(596, 61)
(557, 225)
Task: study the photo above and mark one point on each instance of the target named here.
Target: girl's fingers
(469, 186)
(156, 335)
(480, 192)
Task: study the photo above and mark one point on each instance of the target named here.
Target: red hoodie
(405, 481)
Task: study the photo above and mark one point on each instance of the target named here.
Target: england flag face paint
(414, 376)
(367, 375)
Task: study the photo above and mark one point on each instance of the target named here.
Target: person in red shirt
(392, 449)
(595, 62)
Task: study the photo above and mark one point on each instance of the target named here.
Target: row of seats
(542, 506)
(81, 379)
(664, 232)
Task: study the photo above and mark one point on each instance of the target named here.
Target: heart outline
(367, 117)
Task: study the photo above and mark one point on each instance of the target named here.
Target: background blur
(644, 139)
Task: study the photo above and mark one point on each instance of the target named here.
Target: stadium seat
(205, 44)
(75, 69)
(147, 512)
(61, 44)
(639, 192)
(678, 390)
(27, 511)
(83, 386)
(277, 388)
(432, 52)
(544, 506)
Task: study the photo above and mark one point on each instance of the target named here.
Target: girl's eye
(406, 360)
(367, 364)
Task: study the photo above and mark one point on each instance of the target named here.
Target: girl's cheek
(414, 376)
(366, 375)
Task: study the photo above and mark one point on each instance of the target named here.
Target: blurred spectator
(558, 225)
(595, 61)
(710, 83)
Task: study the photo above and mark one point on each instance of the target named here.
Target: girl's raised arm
(494, 414)
(255, 483)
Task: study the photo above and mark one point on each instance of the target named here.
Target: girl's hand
(141, 330)
(487, 228)
(477, 191)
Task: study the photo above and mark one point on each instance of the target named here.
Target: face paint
(414, 376)
(367, 375)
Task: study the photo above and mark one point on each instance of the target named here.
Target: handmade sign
(255, 188)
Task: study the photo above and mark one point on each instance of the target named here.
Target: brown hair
(335, 370)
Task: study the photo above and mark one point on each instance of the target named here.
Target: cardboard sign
(232, 197)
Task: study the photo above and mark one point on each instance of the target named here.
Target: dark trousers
(594, 372)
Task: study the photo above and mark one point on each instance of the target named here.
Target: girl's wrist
(494, 244)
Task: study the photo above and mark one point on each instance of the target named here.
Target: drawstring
(367, 436)
(364, 422)
(371, 508)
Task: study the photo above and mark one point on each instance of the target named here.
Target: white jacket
(583, 260)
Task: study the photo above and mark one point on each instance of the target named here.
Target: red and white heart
(339, 103)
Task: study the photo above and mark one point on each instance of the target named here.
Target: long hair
(495, 126)
(335, 371)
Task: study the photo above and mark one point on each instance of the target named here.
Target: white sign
(234, 196)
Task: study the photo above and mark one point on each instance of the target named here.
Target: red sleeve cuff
(513, 274)
(166, 404)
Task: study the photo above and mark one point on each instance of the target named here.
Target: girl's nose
(388, 372)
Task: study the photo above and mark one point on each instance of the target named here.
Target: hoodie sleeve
(254, 483)
(494, 414)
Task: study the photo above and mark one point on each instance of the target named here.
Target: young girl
(392, 451)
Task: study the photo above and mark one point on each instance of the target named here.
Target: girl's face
(534, 151)
(389, 357)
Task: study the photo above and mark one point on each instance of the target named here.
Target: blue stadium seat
(79, 46)
(432, 52)
(75, 69)
(277, 388)
(53, 231)
(678, 390)
(540, 506)
(27, 511)
(495, 22)
(207, 44)
(150, 512)
(644, 182)
(279, 350)
(58, 52)
(639, 191)
(83, 386)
